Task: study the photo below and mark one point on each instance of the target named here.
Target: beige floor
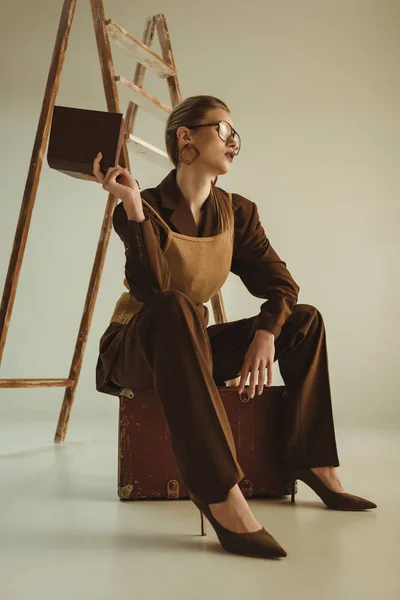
(66, 535)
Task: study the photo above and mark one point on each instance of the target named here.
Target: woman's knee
(307, 312)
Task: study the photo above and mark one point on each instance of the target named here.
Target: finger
(111, 183)
(88, 177)
(269, 368)
(127, 171)
(96, 168)
(243, 376)
(253, 376)
(241, 385)
(261, 376)
(111, 171)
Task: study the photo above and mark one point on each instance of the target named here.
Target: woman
(182, 238)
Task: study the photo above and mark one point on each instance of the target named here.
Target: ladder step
(157, 156)
(22, 383)
(135, 48)
(143, 99)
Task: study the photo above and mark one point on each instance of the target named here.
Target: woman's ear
(183, 134)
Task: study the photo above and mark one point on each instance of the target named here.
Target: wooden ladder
(106, 31)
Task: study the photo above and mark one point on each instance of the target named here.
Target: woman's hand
(259, 356)
(126, 187)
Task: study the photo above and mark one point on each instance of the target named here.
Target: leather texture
(146, 464)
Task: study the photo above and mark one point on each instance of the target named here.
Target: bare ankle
(235, 513)
(233, 496)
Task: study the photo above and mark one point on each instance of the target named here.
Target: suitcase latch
(247, 488)
(127, 392)
(173, 489)
(125, 490)
(244, 397)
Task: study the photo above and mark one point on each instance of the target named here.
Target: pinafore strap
(159, 217)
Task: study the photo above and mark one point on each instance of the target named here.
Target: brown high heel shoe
(334, 500)
(255, 543)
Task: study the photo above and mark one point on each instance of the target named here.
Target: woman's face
(213, 150)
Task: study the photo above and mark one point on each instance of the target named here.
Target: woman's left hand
(259, 356)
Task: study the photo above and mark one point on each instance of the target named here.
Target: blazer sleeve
(260, 268)
(146, 268)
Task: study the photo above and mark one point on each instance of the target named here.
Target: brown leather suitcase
(78, 134)
(147, 468)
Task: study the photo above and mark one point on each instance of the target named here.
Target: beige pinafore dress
(199, 268)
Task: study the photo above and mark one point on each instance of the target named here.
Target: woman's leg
(173, 338)
(308, 429)
(303, 361)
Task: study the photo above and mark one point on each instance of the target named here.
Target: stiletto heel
(255, 543)
(293, 487)
(334, 500)
(203, 524)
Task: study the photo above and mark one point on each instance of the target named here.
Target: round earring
(182, 151)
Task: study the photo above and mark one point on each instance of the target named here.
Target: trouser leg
(174, 340)
(308, 434)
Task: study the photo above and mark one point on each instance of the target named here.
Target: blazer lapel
(179, 214)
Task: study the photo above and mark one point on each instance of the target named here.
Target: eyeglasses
(225, 132)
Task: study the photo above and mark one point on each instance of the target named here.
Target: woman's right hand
(126, 188)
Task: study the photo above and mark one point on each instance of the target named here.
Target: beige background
(314, 92)
(313, 86)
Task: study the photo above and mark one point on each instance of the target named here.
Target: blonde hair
(192, 111)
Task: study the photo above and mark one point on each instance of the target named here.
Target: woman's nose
(233, 145)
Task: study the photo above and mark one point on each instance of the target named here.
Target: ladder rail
(34, 170)
(138, 78)
(112, 101)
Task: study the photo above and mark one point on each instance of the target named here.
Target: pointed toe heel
(258, 544)
(333, 500)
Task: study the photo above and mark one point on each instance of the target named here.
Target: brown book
(78, 134)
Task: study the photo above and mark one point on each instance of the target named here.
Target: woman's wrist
(134, 209)
(265, 332)
(136, 217)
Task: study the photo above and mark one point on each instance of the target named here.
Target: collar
(171, 195)
(172, 199)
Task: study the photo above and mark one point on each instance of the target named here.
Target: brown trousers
(189, 359)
